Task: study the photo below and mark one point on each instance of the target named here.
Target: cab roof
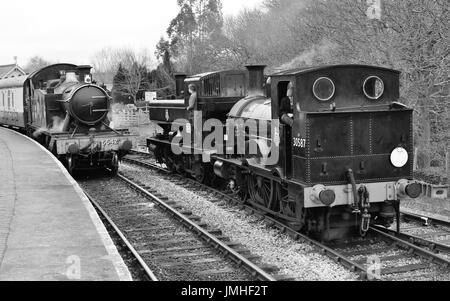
(305, 70)
(201, 76)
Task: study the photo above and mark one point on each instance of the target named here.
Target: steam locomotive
(61, 108)
(344, 163)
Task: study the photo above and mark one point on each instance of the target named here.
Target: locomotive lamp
(408, 188)
(88, 79)
(73, 149)
(126, 145)
(399, 157)
(320, 194)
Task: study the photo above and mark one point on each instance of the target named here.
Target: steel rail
(130, 247)
(426, 219)
(145, 164)
(250, 267)
(435, 246)
(417, 250)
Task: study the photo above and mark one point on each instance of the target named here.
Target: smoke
(311, 56)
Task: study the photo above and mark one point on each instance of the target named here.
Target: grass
(428, 205)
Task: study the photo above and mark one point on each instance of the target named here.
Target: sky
(72, 31)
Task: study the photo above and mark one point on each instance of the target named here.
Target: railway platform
(48, 229)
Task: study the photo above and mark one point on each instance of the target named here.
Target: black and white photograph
(223, 145)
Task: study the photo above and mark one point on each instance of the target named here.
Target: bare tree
(36, 63)
(107, 60)
(133, 73)
(411, 36)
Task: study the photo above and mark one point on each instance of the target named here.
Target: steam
(114, 115)
(39, 131)
(311, 56)
(55, 127)
(57, 124)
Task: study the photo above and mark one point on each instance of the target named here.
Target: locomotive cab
(347, 127)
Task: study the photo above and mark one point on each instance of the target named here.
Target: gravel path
(295, 259)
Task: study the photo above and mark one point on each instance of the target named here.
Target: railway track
(124, 243)
(171, 242)
(393, 258)
(421, 230)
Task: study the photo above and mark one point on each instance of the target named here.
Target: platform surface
(48, 228)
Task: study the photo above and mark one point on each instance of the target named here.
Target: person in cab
(287, 106)
(193, 98)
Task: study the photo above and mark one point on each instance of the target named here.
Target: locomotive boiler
(343, 164)
(66, 112)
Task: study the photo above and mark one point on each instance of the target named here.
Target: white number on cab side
(299, 142)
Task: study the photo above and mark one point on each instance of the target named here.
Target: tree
(125, 68)
(36, 63)
(133, 75)
(163, 53)
(267, 35)
(193, 33)
(410, 35)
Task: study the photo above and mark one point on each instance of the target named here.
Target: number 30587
(299, 142)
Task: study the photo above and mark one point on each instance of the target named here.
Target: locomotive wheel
(201, 175)
(261, 191)
(204, 175)
(168, 160)
(71, 165)
(114, 164)
(170, 165)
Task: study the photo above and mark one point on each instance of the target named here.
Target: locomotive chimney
(179, 84)
(255, 79)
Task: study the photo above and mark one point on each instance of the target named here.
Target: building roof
(6, 69)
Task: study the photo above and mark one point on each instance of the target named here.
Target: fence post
(415, 159)
(447, 166)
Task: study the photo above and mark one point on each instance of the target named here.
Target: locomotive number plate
(299, 142)
(110, 143)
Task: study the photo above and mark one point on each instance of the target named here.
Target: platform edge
(113, 254)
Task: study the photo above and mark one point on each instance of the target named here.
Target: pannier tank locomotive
(65, 111)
